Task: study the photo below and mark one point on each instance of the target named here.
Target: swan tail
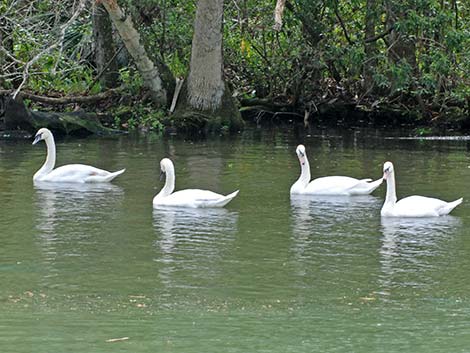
(365, 186)
(225, 200)
(375, 184)
(105, 178)
(113, 175)
(450, 206)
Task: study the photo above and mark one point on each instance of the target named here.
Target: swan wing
(421, 206)
(79, 173)
(333, 185)
(195, 198)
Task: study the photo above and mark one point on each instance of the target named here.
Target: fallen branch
(63, 100)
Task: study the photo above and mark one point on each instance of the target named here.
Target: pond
(95, 269)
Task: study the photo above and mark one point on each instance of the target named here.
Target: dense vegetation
(407, 55)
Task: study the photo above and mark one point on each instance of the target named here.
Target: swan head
(166, 165)
(42, 134)
(301, 154)
(388, 170)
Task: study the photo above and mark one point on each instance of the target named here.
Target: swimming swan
(331, 185)
(189, 197)
(71, 173)
(412, 206)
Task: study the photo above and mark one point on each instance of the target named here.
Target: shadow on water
(411, 250)
(192, 241)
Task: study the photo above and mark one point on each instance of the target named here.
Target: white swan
(412, 206)
(71, 173)
(331, 185)
(189, 197)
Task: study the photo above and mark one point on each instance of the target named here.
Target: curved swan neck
(305, 177)
(391, 196)
(169, 181)
(49, 164)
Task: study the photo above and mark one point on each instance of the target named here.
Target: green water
(266, 274)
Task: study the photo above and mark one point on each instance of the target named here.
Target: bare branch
(63, 28)
(379, 36)
(343, 26)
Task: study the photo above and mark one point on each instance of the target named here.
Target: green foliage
(131, 79)
(138, 116)
(320, 52)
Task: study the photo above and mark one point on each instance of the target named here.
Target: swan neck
(391, 196)
(305, 177)
(49, 164)
(169, 182)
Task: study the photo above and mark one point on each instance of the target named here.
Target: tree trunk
(151, 75)
(402, 45)
(278, 12)
(2, 57)
(205, 81)
(207, 98)
(370, 48)
(105, 60)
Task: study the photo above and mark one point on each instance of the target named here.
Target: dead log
(79, 123)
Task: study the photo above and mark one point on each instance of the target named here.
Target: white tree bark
(131, 39)
(205, 81)
(278, 11)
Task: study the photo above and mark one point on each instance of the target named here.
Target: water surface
(84, 264)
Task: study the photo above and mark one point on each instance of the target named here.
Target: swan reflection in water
(192, 239)
(411, 248)
(319, 213)
(323, 228)
(73, 209)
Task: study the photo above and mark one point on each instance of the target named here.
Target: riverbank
(112, 115)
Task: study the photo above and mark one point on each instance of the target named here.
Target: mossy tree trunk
(106, 63)
(206, 101)
(150, 74)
